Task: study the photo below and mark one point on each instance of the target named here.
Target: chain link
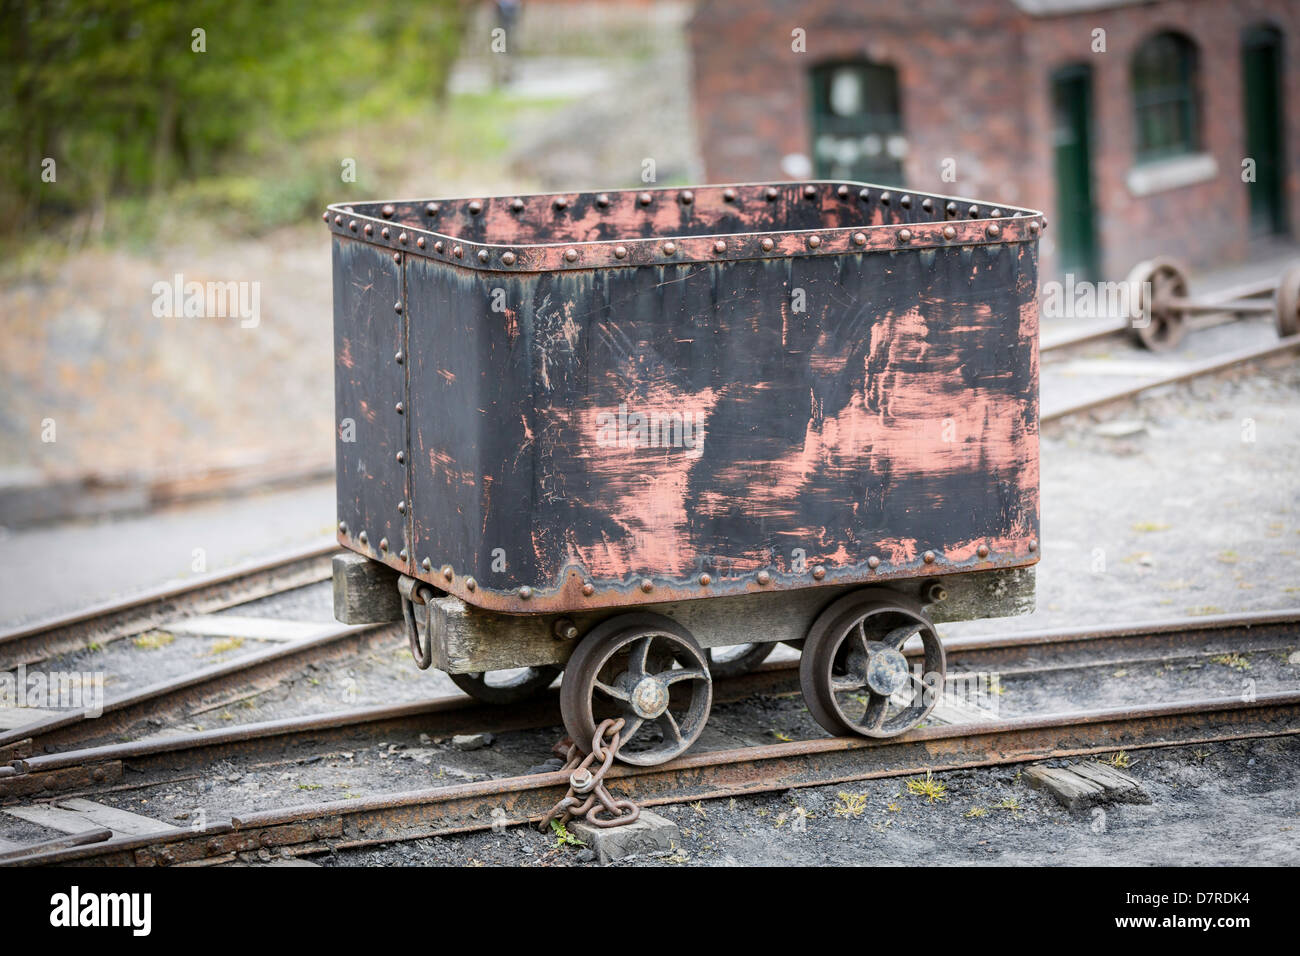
(587, 797)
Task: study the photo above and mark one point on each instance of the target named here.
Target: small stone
(586, 855)
(549, 766)
(472, 741)
(1119, 429)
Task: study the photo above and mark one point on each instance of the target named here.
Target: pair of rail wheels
(1161, 311)
(855, 678)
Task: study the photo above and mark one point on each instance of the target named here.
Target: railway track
(107, 622)
(349, 824)
(1179, 373)
(721, 771)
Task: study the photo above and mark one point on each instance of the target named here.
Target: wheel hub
(886, 671)
(649, 698)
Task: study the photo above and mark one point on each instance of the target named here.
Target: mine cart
(643, 436)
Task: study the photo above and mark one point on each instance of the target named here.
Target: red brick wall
(974, 82)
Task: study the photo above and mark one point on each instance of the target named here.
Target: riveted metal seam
(408, 483)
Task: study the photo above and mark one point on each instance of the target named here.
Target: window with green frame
(857, 122)
(1164, 97)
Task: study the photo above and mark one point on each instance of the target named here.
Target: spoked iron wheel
(650, 671)
(1286, 303)
(1154, 283)
(738, 659)
(854, 676)
(506, 687)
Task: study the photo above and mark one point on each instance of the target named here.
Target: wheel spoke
(900, 635)
(847, 683)
(874, 715)
(669, 724)
(860, 637)
(610, 690)
(632, 723)
(682, 673)
(636, 662)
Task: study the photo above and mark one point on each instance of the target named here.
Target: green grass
(933, 790)
(851, 804)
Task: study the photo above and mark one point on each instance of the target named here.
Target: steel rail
(109, 621)
(1009, 654)
(1208, 367)
(744, 771)
(1099, 646)
(93, 835)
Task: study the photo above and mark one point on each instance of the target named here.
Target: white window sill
(1172, 173)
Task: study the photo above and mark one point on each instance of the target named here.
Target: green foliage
(115, 92)
(564, 837)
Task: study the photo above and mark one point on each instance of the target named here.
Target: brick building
(1127, 122)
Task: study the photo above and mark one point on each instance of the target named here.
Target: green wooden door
(1074, 227)
(1261, 66)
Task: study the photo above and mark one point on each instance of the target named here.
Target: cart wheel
(738, 659)
(1154, 282)
(1286, 303)
(511, 687)
(854, 676)
(647, 669)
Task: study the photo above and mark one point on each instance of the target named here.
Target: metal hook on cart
(413, 593)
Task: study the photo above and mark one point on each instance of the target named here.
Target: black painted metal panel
(368, 385)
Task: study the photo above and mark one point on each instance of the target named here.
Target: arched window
(1164, 97)
(857, 123)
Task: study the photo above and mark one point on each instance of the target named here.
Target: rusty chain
(587, 797)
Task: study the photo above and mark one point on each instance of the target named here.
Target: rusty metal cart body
(611, 431)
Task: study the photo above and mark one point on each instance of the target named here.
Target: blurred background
(144, 139)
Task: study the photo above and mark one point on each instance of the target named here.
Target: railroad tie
(11, 718)
(253, 628)
(1086, 784)
(76, 815)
